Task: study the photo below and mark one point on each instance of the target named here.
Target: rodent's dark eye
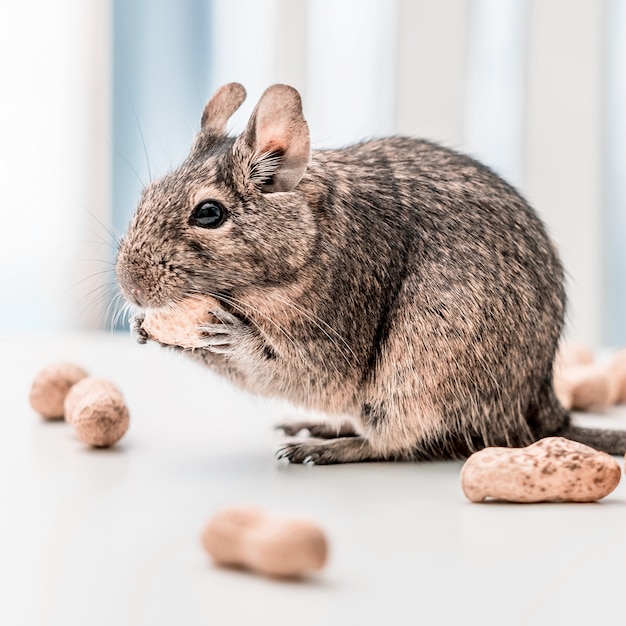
(208, 214)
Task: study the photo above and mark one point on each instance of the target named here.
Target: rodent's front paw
(225, 336)
(136, 324)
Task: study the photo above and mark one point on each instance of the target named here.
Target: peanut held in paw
(249, 538)
(51, 386)
(177, 325)
(96, 410)
(552, 469)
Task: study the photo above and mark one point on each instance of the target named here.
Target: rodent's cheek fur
(284, 235)
(268, 241)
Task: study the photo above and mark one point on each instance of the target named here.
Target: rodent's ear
(226, 100)
(278, 135)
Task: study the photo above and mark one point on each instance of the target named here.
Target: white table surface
(111, 537)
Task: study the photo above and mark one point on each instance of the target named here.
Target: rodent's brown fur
(395, 281)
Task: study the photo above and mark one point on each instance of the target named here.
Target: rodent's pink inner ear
(275, 144)
(277, 125)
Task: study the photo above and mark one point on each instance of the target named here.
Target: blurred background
(100, 96)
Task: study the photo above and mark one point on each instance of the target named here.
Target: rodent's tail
(610, 441)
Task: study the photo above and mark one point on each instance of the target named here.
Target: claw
(298, 453)
(225, 317)
(222, 350)
(213, 329)
(217, 338)
(216, 342)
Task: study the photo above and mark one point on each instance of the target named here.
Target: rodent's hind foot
(329, 452)
(318, 430)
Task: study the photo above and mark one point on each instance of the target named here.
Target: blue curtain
(160, 86)
(160, 83)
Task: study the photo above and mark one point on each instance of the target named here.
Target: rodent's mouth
(136, 297)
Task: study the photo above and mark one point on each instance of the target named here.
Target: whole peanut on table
(250, 538)
(551, 469)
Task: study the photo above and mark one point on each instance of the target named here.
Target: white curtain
(340, 55)
(54, 162)
(614, 169)
(517, 83)
(535, 89)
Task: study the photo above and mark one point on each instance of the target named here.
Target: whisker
(106, 315)
(113, 312)
(141, 135)
(94, 297)
(123, 311)
(93, 276)
(114, 237)
(318, 321)
(108, 262)
(117, 311)
(126, 162)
